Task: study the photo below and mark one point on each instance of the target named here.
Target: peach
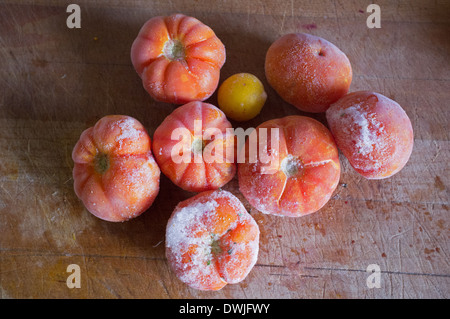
(373, 132)
(211, 240)
(304, 171)
(115, 174)
(307, 71)
(194, 149)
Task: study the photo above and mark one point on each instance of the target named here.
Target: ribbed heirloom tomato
(178, 58)
(305, 168)
(211, 240)
(195, 148)
(115, 174)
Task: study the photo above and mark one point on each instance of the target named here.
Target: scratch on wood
(111, 290)
(402, 291)
(336, 17)
(282, 22)
(383, 272)
(285, 12)
(165, 288)
(438, 149)
(400, 234)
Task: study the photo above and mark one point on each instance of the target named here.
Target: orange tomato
(191, 157)
(115, 174)
(178, 58)
(304, 168)
(211, 240)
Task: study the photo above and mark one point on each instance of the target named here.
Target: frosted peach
(211, 240)
(115, 174)
(307, 71)
(305, 169)
(373, 132)
(178, 58)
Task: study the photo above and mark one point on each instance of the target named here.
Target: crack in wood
(383, 272)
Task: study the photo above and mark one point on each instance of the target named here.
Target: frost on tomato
(211, 240)
(305, 168)
(115, 174)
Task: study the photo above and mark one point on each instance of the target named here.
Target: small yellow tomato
(241, 96)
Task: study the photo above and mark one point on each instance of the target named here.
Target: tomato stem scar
(101, 163)
(174, 50)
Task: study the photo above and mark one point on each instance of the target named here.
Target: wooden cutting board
(55, 82)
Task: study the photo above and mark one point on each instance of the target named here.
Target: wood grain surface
(55, 82)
